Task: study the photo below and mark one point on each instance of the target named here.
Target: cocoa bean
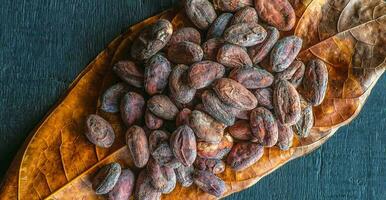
(132, 108)
(315, 82)
(294, 73)
(162, 106)
(286, 102)
(99, 131)
(245, 34)
(260, 51)
(185, 53)
(209, 183)
(244, 155)
(215, 150)
(200, 12)
(219, 25)
(241, 130)
(156, 74)
(129, 72)
(278, 13)
(231, 5)
(106, 178)
(162, 178)
(183, 117)
(211, 47)
(306, 121)
(138, 146)
(185, 34)
(264, 97)
(144, 190)
(252, 77)
(152, 121)
(124, 187)
(178, 85)
(284, 52)
(216, 166)
(247, 15)
(217, 109)
(286, 136)
(111, 98)
(202, 74)
(233, 56)
(205, 127)
(184, 175)
(183, 145)
(264, 126)
(156, 138)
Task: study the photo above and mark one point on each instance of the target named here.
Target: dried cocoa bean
(241, 130)
(260, 51)
(162, 178)
(124, 187)
(264, 97)
(178, 85)
(152, 121)
(264, 126)
(233, 56)
(138, 146)
(144, 190)
(185, 34)
(106, 178)
(294, 73)
(286, 136)
(200, 12)
(211, 47)
(202, 74)
(132, 108)
(185, 53)
(215, 150)
(234, 94)
(246, 14)
(111, 98)
(184, 175)
(151, 39)
(216, 166)
(183, 145)
(217, 109)
(284, 52)
(156, 138)
(162, 106)
(306, 121)
(183, 117)
(315, 82)
(156, 74)
(252, 77)
(205, 127)
(163, 155)
(242, 114)
(209, 183)
(99, 131)
(286, 102)
(278, 13)
(231, 5)
(219, 25)
(244, 155)
(245, 34)
(129, 72)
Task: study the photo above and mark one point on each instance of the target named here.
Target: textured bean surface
(252, 77)
(231, 5)
(138, 145)
(264, 97)
(286, 136)
(245, 34)
(179, 86)
(216, 166)
(183, 145)
(219, 25)
(156, 138)
(124, 187)
(294, 73)
(200, 12)
(184, 175)
(111, 98)
(185, 34)
(185, 53)
(244, 154)
(99, 131)
(245, 15)
(162, 106)
(157, 73)
(152, 121)
(209, 183)
(278, 13)
(205, 127)
(132, 108)
(315, 82)
(264, 126)
(129, 72)
(286, 102)
(241, 130)
(106, 178)
(162, 178)
(202, 74)
(215, 150)
(260, 51)
(306, 122)
(217, 109)
(233, 56)
(144, 190)
(284, 52)
(211, 47)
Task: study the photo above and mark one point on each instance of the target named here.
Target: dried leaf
(57, 162)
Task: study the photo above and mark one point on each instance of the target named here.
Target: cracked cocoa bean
(233, 56)
(152, 121)
(144, 190)
(185, 34)
(162, 106)
(234, 94)
(246, 14)
(278, 13)
(286, 102)
(264, 97)
(151, 40)
(202, 74)
(215, 150)
(183, 117)
(211, 47)
(157, 72)
(106, 178)
(205, 127)
(306, 121)
(252, 77)
(200, 12)
(264, 126)
(284, 52)
(209, 183)
(111, 98)
(286, 136)
(99, 131)
(231, 5)
(260, 51)
(219, 25)
(294, 73)
(184, 175)
(162, 178)
(217, 109)
(138, 146)
(315, 82)
(124, 187)
(183, 145)
(244, 155)
(129, 72)
(132, 108)
(185, 53)
(216, 166)
(241, 130)
(178, 85)
(245, 34)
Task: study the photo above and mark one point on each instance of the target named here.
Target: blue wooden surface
(44, 44)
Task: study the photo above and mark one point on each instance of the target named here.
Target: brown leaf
(57, 162)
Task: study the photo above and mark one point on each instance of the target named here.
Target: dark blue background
(44, 44)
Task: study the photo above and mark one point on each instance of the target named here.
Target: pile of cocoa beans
(196, 100)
